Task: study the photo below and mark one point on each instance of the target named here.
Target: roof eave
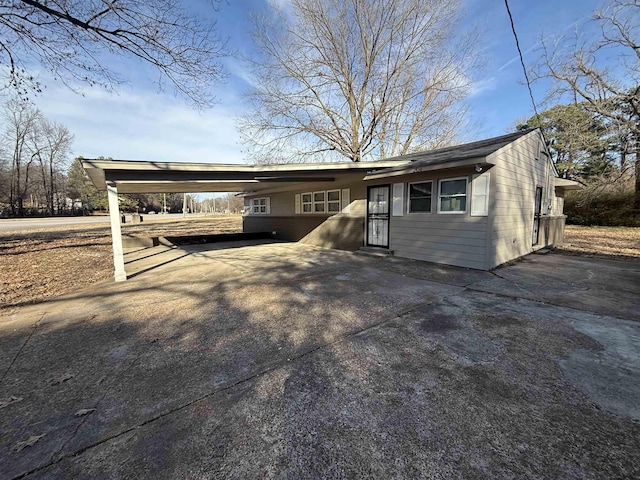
(566, 184)
(118, 171)
(412, 169)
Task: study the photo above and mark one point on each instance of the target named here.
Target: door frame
(388, 219)
(537, 210)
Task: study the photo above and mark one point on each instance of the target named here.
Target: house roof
(450, 157)
(134, 176)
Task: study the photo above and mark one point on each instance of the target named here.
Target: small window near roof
(260, 206)
(420, 197)
(452, 196)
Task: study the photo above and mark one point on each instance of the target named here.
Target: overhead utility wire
(526, 75)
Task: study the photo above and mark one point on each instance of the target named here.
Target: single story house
(476, 205)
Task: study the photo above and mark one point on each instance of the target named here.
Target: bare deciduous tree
(357, 78)
(50, 143)
(604, 72)
(37, 151)
(70, 38)
(21, 119)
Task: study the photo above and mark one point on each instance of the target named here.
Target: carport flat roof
(134, 176)
(137, 176)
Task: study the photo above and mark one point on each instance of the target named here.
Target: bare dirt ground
(39, 264)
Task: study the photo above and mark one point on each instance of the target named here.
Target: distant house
(476, 205)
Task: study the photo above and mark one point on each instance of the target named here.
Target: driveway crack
(264, 371)
(33, 329)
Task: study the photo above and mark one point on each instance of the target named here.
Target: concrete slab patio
(255, 359)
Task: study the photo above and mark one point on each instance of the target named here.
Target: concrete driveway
(250, 360)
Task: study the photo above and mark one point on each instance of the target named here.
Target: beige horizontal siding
(463, 235)
(457, 259)
(451, 239)
(451, 242)
(516, 175)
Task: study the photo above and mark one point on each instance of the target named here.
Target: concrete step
(374, 251)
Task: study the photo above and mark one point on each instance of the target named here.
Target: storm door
(536, 215)
(378, 216)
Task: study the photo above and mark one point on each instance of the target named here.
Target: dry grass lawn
(619, 242)
(39, 264)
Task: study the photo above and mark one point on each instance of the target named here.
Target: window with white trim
(452, 195)
(333, 201)
(260, 206)
(318, 202)
(419, 200)
(307, 202)
(327, 201)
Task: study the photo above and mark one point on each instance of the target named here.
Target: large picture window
(452, 195)
(327, 201)
(420, 197)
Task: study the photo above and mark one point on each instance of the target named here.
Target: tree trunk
(636, 199)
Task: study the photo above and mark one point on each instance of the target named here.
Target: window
(420, 197)
(452, 196)
(307, 203)
(333, 201)
(260, 205)
(318, 202)
(328, 201)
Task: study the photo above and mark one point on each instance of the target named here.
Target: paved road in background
(38, 223)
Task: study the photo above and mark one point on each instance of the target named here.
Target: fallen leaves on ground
(623, 242)
(40, 264)
(61, 379)
(84, 411)
(9, 401)
(30, 442)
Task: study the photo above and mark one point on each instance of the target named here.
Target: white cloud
(280, 4)
(143, 126)
(484, 85)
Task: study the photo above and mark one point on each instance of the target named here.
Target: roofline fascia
(215, 167)
(429, 168)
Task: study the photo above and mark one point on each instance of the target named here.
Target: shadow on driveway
(277, 359)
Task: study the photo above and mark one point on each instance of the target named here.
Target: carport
(133, 176)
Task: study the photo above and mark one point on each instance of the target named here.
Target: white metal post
(116, 234)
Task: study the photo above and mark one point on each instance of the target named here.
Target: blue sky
(141, 123)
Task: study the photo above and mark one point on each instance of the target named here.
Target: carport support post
(116, 233)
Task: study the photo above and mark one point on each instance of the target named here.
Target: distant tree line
(38, 177)
(34, 154)
(594, 130)
(600, 154)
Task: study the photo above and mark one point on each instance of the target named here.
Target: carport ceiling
(165, 177)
